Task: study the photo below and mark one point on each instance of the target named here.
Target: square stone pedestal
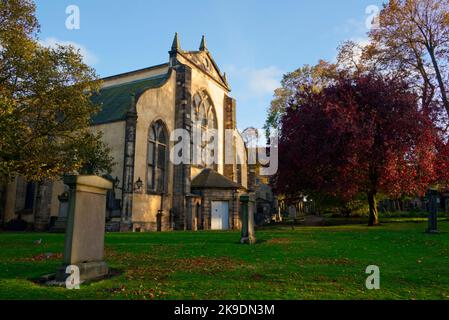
(84, 242)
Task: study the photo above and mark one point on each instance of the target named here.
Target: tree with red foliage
(365, 135)
(443, 165)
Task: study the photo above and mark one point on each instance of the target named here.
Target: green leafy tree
(45, 106)
(316, 77)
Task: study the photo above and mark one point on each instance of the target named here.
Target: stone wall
(157, 104)
(146, 213)
(114, 137)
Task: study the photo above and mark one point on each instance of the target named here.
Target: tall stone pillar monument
(248, 233)
(84, 241)
(434, 203)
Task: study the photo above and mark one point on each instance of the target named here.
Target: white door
(220, 215)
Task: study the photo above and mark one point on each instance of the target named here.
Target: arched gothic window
(157, 158)
(205, 122)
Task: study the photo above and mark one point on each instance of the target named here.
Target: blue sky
(255, 42)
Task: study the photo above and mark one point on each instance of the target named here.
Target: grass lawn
(307, 263)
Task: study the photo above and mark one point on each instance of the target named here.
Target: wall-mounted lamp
(138, 186)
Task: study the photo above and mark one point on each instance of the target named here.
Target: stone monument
(292, 212)
(248, 233)
(446, 202)
(61, 222)
(84, 240)
(433, 198)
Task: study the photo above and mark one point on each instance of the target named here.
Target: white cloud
(88, 57)
(352, 26)
(264, 81)
(355, 30)
(257, 82)
(359, 26)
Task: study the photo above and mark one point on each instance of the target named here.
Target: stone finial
(203, 46)
(176, 46)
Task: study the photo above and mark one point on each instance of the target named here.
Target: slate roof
(115, 100)
(209, 178)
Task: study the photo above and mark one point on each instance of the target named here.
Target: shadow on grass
(50, 279)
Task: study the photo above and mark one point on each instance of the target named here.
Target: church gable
(202, 59)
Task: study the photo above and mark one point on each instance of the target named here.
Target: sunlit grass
(304, 263)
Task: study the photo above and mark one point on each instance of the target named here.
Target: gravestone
(446, 203)
(292, 212)
(61, 222)
(433, 198)
(84, 240)
(248, 207)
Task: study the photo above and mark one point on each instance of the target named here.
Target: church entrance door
(220, 215)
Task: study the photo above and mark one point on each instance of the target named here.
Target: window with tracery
(157, 158)
(205, 125)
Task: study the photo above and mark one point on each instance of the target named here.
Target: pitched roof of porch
(209, 178)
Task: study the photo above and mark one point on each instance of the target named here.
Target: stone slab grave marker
(84, 240)
(61, 221)
(433, 199)
(248, 233)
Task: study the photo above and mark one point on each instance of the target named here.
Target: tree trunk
(439, 79)
(373, 212)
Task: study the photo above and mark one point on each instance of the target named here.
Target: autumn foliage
(45, 105)
(363, 135)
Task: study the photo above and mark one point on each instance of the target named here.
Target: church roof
(209, 178)
(115, 100)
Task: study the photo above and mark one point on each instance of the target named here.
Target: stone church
(139, 112)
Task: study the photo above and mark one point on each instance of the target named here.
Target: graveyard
(304, 263)
(224, 151)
